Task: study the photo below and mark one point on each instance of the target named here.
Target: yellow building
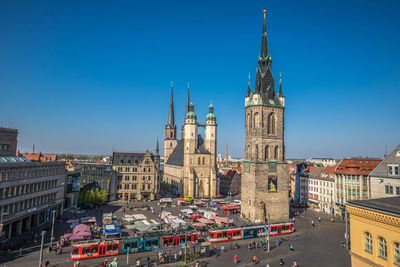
(375, 232)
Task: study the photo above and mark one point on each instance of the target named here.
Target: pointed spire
(171, 119)
(249, 87)
(264, 43)
(157, 148)
(187, 99)
(280, 83)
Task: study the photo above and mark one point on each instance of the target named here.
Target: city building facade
(29, 193)
(230, 183)
(8, 142)
(314, 186)
(324, 162)
(374, 232)
(352, 180)
(327, 190)
(72, 187)
(138, 175)
(265, 171)
(385, 178)
(190, 163)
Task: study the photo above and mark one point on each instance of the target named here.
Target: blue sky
(87, 76)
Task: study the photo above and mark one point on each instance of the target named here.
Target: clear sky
(87, 76)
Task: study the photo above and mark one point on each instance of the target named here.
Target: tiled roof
(316, 172)
(176, 157)
(357, 166)
(329, 170)
(382, 169)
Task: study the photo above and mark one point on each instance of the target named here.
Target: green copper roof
(211, 116)
(191, 114)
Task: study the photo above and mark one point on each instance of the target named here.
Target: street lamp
(52, 229)
(41, 249)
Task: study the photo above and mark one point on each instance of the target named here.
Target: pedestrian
(249, 246)
(291, 247)
(105, 262)
(138, 263)
(235, 259)
(20, 252)
(236, 246)
(254, 259)
(277, 243)
(319, 219)
(61, 250)
(46, 264)
(148, 260)
(332, 220)
(281, 262)
(295, 263)
(313, 223)
(222, 250)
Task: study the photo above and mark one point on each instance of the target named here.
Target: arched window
(266, 152)
(204, 160)
(171, 134)
(396, 248)
(248, 120)
(382, 247)
(256, 156)
(198, 161)
(271, 124)
(257, 120)
(170, 144)
(368, 242)
(276, 153)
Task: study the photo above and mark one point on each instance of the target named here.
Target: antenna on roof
(386, 154)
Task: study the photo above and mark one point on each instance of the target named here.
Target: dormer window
(393, 169)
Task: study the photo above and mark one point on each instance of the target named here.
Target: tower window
(204, 160)
(271, 124)
(266, 152)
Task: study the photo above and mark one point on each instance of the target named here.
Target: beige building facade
(374, 232)
(265, 172)
(190, 163)
(138, 175)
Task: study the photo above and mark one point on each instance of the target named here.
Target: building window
(119, 177)
(397, 190)
(127, 178)
(396, 252)
(144, 178)
(149, 178)
(382, 248)
(134, 178)
(368, 242)
(365, 181)
(389, 189)
(148, 186)
(119, 186)
(126, 186)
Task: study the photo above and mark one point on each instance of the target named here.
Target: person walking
(319, 219)
(61, 248)
(105, 262)
(222, 250)
(235, 258)
(281, 262)
(254, 259)
(295, 263)
(20, 252)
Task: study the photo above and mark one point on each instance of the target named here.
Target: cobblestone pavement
(313, 246)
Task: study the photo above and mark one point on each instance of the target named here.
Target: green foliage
(94, 197)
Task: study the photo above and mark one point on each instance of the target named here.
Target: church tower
(265, 171)
(170, 140)
(211, 146)
(190, 145)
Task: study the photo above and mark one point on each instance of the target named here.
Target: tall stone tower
(265, 171)
(170, 140)
(190, 145)
(211, 146)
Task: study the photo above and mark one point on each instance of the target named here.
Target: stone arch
(248, 121)
(266, 152)
(271, 123)
(257, 118)
(201, 189)
(276, 152)
(204, 161)
(256, 156)
(198, 161)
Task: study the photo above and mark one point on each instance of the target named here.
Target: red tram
(95, 249)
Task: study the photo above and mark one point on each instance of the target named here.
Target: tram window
(115, 247)
(148, 243)
(109, 247)
(219, 235)
(94, 250)
(155, 243)
(225, 234)
(86, 250)
(127, 245)
(75, 251)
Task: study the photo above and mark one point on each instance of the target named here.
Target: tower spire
(249, 87)
(187, 99)
(171, 119)
(264, 42)
(280, 84)
(157, 148)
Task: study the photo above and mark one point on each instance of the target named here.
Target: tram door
(141, 247)
(279, 229)
(102, 250)
(175, 241)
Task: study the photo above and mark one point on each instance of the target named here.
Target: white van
(237, 202)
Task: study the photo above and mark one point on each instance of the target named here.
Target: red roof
(329, 170)
(40, 157)
(357, 166)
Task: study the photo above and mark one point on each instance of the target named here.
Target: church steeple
(170, 128)
(187, 100)
(249, 87)
(157, 148)
(264, 42)
(280, 84)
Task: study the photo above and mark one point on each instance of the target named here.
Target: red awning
(218, 195)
